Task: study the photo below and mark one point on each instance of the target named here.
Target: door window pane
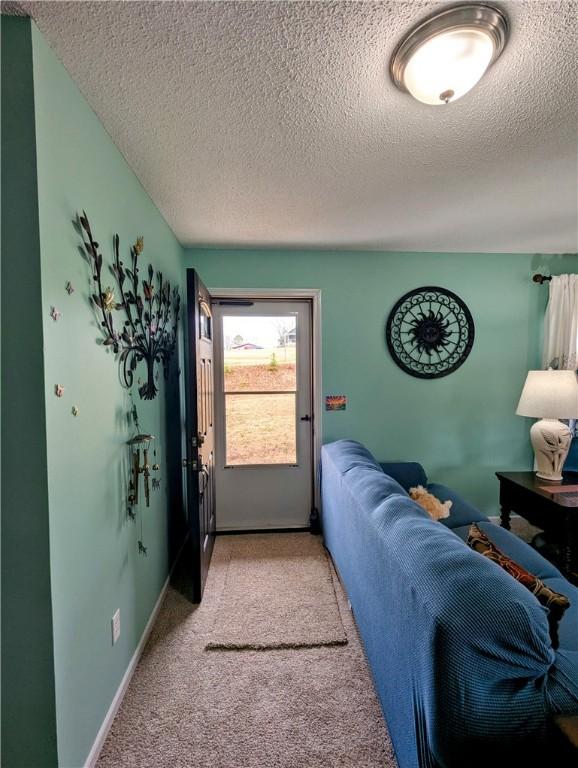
(260, 383)
(260, 354)
(205, 320)
(260, 429)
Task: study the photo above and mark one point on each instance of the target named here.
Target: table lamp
(550, 396)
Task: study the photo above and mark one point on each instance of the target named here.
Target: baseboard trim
(240, 531)
(96, 749)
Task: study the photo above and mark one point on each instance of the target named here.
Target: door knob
(192, 463)
(306, 418)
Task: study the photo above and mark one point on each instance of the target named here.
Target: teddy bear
(436, 509)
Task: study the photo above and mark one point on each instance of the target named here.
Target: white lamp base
(551, 442)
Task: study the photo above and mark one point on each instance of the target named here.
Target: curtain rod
(541, 279)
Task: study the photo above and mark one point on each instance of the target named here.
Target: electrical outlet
(115, 625)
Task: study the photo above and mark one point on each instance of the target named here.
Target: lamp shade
(549, 395)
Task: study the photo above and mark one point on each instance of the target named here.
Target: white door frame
(313, 295)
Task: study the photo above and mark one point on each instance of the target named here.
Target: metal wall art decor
(69, 288)
(143, 469)
(140, 440)
(138, 469)
(55, 314)
(150, 310)
(58, 390)
(430, 332)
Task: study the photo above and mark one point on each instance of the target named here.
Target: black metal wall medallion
(430, 332)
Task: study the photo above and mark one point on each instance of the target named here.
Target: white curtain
(561, 324)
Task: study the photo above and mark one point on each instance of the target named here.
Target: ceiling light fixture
(442, 58)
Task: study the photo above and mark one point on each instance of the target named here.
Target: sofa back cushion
(462, 512)
(407, 473)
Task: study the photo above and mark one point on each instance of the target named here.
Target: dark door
(199, 463)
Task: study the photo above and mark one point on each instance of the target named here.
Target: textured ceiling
(275, 123)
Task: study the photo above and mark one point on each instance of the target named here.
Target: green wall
(71, 495)
(461, 427)
(28, 704)
(95, 564)
(69, 554)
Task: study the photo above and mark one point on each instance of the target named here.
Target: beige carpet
(278, 594)
(190, 708)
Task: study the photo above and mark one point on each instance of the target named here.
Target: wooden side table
(546, 505)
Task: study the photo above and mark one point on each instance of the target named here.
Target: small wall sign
(335, 402)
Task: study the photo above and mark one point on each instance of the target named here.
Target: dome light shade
(442, 58)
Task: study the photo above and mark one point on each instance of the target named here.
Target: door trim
(313, 295)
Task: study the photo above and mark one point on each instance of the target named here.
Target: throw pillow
(432, 505)
(555, 602)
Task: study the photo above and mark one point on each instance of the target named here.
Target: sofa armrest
(407, 473)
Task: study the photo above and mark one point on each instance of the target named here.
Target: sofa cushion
(515, 548)
(520, 551)
(462, 512)
(407, 473)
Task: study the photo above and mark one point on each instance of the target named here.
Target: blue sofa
(459, 651)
